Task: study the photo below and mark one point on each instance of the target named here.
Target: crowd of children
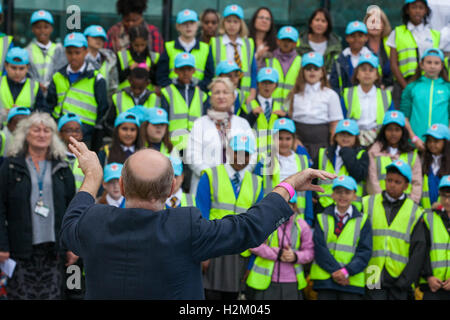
(381, 229)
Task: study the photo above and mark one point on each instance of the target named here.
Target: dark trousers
(387, 294)
(438, 295)
(337, 295)
(220, 295)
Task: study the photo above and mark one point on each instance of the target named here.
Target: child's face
(396, 184)
(319, 24)
(128, 134)
(285, 142)
(240, 160)
(234, 76)
(16, 72)
(139, 45)
(75, 57)
(367, 75)
(343, 197)
(266, 88)
(12, 124)
(71, 129)
(445, 200)
(138, 86)
(286, 45)
(210, 24)
(232, 25)
(356, 41)
(185, 74)
(345, 139)
(156, 132)
(416, 12)
(95, 43)
(393, 134)
(112, 187)
(312, 74)
(432, 66)
(188, 29)
(132, 19)
(42, 31)
(435, 146)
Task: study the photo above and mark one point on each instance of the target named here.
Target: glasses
(71, 131)
(264, 18)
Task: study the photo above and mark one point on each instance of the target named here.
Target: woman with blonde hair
(36, 187)
(210, 134)
(379, 28)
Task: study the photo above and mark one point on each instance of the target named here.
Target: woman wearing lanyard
(36, 186)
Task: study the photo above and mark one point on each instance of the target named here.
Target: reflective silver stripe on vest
(178, 132)
(270, 63)
(350, 101)
(261, 270)
(406, 49)
(249, 60)
(384, 98)
(80, 104)
(90, 94)
(440, 246)
(32, 96)
(124, 55)
(5, 49)
(393, 256)
(119, 102)
(437, 246)
(189, 200)
(380, 175)
(406, 61)
(440, 264)
(218, 50)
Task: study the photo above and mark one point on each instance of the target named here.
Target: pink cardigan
(284, 271)
(373, 185)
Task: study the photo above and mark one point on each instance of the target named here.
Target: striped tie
(267, 111)
(173, 202)
(237, 57)
(236, 181)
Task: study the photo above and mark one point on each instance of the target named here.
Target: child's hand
(340, 278)
(419, 144)
(446, 285)
(288, 255)
(134, 65)
(205, 265)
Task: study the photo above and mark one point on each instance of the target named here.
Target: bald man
(145, 251)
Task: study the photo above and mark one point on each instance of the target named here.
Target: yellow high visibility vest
(390, 242)
(26, 97)
(342, 247)
(5, 42)
(260, 275)
(126, 60)
(123, 101)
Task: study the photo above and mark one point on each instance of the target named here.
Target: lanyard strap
(41, 177)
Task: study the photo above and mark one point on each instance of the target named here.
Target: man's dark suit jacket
(142, 254)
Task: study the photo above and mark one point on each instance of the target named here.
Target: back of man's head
(147, 176)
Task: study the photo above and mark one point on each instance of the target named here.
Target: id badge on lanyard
(40, 208)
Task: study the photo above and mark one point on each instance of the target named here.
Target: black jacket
(15, 211)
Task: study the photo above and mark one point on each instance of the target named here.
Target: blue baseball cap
(444, 182)
(346, 182)
(356, 26)
(369, 58)
(17, 56)
(288, 32)
(225, 67)
(285, 124)
(438, 131)
(95, 31)
(41, 15)
(394, 117)
(177, 166)
(127, 117)
(68, 117)
(412, 1)
(433, 52)
(401, 166)
(233, 9)
(157, 115)
(348, 125)
(75, 39)
(112, 170)
(243, 142)
(186, 15)
(184, 59)
(140, 112)
(18, 111)
(267, 74)
(314, 58)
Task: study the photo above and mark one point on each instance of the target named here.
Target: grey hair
(19, 145)
(226, 81)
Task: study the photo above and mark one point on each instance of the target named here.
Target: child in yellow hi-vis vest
(179, 198)
(223, 190)
(277, 271)
(342, 246)
(435, 282)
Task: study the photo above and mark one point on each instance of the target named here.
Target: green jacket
(334, 48)
(426, 102)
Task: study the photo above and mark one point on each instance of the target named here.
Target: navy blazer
(142, 254)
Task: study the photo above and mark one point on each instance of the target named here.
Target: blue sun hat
(346, 182)
(41, 15)
(288, 32)
(186, 15)
(313, 58)
(127, 117)
(348, 125)
(402, 167)
(356, 26)
(394, 117)
(75, 39)
(226, 66)
(17, 56)
(68, 117)
(95, 31)
(438, 131)
(267, 74)
(444, 182)
(243, 142)
(157, 115)
(369, 58)
(184, 59)
(285, 124)
(112, 171)
(17, 111)
(234, 9)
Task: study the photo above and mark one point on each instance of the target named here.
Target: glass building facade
(103, 12)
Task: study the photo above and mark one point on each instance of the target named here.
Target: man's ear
(122, 191)
(172, 188)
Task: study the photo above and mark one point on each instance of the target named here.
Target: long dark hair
(271, 35)
(327, 17)
(165, 138)
(116, 153)
(427, 160)
(403, 144)
(405, 15)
